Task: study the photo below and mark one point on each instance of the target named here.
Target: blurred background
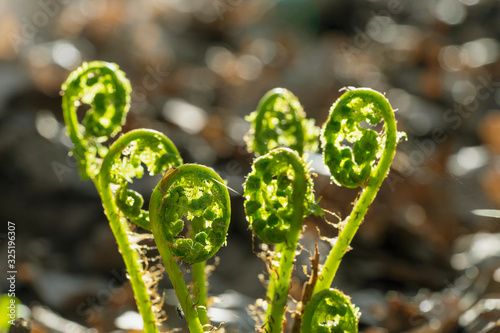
(422, 261)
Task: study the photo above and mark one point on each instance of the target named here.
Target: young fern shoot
(124, 162)
(278, 196)
(279, 121)
(106, 90)
(197, 194)
(365, 164)
(330, 311)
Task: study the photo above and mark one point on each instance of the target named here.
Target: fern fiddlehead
(102, 86)
(278, 196)
(124, 162)
(330, 311)
(357, 156)
(196, 194)
(279, 121)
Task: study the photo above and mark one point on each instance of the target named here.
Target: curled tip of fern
(106, 90)
(351, 146)
(279, 121)
(196, 194)
(129, 157)
(271, 194)
(330, 311)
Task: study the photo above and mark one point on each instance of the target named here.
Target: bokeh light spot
(66, 55)
(187, 116)
(46, 124)
(450, 11)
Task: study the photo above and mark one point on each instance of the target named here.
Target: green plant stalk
(174, 273)
(279, 283)
(200, 291)
(119, 226)
(364, 201)
(277, 292)
(181, 290)
(119, 223)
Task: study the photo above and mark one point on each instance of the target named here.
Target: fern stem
(279, 284)
(133, 262)
(200, 291)
(174, 273)
(378, 101)
(181, 290)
